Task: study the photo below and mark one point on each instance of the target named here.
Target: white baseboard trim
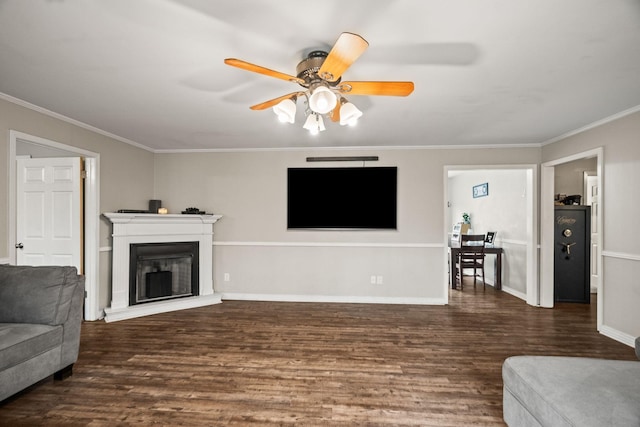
(4, 260)
(333, 299)
(614, 334)
(515, 293)
(490, 283)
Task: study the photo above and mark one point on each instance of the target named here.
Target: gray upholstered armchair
(571, 391)
(40, 319)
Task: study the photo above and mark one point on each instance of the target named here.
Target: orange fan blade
(376, 88)
(261, 70)
(275, 101)
(335, 114)
(345, 51)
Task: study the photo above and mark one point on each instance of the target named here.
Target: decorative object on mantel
(154, 205)
(193, 211)
(163, 211)
(320, 74)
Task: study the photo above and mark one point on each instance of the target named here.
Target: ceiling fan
(320, 74)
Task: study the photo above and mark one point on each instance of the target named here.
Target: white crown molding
(78, 123)
(592, 125)
(69, 120)
(351, 148)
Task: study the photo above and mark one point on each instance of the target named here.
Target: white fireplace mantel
(136, 228)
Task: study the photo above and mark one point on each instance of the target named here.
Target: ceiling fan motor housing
(308, 68)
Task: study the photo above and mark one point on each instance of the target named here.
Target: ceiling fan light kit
(321, 74)
(349, 114)
(314, 124)
(286, 110)
(322, 100)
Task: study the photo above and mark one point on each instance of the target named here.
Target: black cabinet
(572, 254)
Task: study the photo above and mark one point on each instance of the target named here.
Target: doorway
(519, 241)
(547, 240)
(37, 147)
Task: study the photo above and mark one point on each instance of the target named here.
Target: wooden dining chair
(471, 256)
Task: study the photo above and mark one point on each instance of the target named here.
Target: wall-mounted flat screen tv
(342, 198)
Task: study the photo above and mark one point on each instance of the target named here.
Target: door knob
(19, 246)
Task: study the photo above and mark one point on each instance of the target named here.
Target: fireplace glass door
(161, 271)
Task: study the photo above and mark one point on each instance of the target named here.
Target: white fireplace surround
(135, 228)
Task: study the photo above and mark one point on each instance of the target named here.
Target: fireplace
(160, 263)
(161, 271)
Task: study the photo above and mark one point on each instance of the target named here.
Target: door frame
(91, 212)
(532, 283)
(585, 176)
(547, 190)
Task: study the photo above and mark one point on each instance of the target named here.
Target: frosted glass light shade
(322, 100)
(314, 124)
(285, 110)
(349, 114)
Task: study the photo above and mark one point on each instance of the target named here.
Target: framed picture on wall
(481, 190)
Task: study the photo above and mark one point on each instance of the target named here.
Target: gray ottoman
(571, 391)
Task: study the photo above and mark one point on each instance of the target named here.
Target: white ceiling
(486, 72)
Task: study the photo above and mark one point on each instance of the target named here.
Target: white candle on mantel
(163, 211)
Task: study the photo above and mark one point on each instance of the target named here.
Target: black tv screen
(342, 198)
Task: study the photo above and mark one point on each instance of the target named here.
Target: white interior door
(593, 199)
(49, 207)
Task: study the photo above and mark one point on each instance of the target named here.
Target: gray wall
(126, 173)
(569, 177)
(621, 253)
(262, 258)
(265, 261)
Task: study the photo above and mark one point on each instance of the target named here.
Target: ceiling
(486, 72)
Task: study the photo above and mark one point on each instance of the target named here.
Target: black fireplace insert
(161, 271)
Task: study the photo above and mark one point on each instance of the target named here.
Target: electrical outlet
(373, 280)
(227, 277)
(379, 280)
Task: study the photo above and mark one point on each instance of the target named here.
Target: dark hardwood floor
(309, 364)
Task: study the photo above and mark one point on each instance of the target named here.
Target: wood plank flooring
(309, 364)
